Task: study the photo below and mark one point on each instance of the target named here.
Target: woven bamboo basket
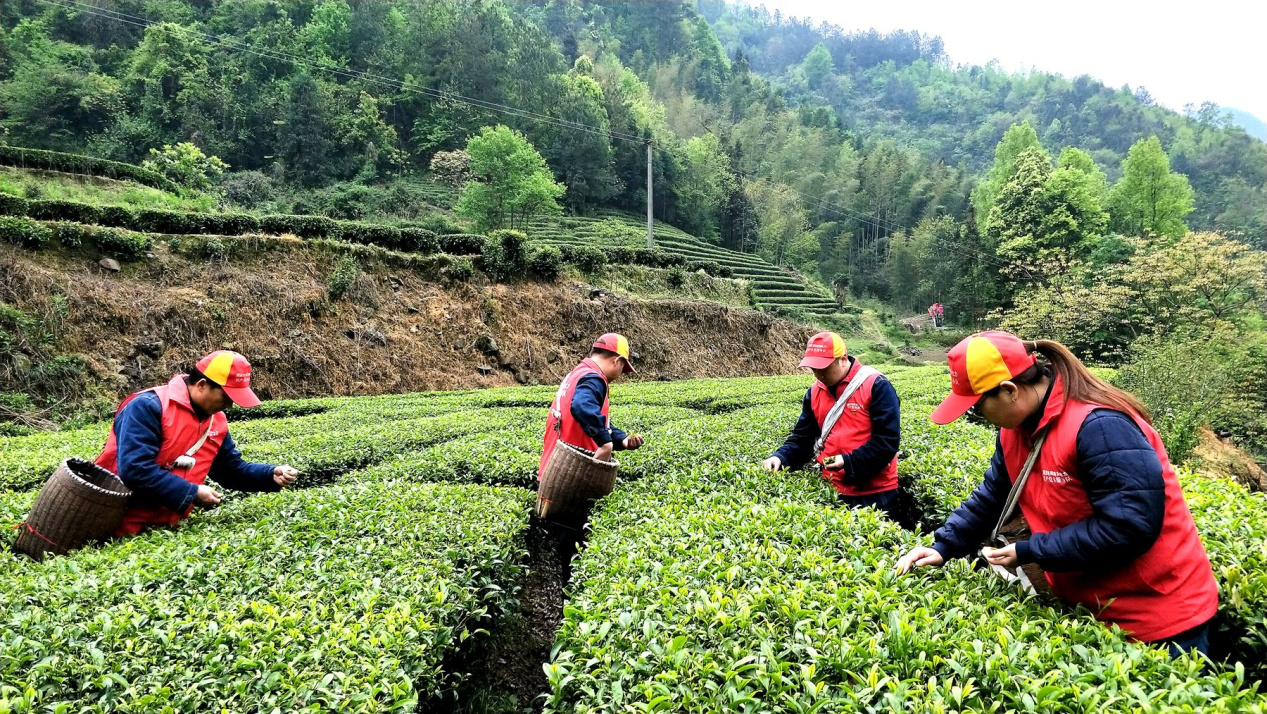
(80, 503)
(570, 484)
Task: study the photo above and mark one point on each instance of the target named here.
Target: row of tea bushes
(761, 596)
(342, 599)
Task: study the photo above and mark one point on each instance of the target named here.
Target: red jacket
(853, 429)
(1165, 591)
(560, 424)
(181, 430)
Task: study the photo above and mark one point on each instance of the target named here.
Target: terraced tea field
(772, 286)
(706, 585)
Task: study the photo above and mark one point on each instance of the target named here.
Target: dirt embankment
(400, 327)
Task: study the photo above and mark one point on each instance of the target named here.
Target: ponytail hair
(1079, 383)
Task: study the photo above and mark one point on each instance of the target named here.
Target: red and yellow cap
(232, 372)
(978, 364)
(619, 344)
(823, 349)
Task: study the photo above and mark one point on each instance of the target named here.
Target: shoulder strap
(194, 449)
(864, 373)
(1014, 496)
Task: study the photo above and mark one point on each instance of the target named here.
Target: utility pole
(650, 199)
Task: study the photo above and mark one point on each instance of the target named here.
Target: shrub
(341, 280)
(302, 226)
(462, 243)
(708, 266)
(64, 211)
(587, 258)
(248, 189)
(439, 223)
(460, 270)
(505, 255)
(544, 262)
(676, 277)
(370, 234)
(24, 232)
(119, 217)
(186, 165)
(13, 206)
(419, 240)
(124, 245)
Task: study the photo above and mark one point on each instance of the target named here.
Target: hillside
(1252, 125)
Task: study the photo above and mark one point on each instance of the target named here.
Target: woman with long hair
(1110, 525)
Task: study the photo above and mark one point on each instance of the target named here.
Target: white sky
(1211, 50)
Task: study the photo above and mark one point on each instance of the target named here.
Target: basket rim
(590, 456)
(80, 480)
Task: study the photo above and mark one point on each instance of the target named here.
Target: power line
(364, 76)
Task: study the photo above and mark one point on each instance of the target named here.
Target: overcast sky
(1193, 52)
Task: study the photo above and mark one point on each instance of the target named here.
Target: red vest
(560, 424)
(1165, 591)
(181, 430)
(853, 429)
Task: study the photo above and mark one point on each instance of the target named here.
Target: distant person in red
(938, 313)
(1110, 525)
(579, 414)
(166, 441)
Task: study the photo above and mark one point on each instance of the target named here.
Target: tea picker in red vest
(849, 425)
(166, 441)
(1110, 525)
(579, 413)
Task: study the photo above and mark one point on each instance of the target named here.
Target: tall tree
(1016, 139)
(1151, 199)
(511, 181)
(307, 137)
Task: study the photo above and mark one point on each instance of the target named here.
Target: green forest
(870, 163)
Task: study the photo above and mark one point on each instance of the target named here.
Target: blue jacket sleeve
(1122, 475)
(587, 410)
(798, 448)
(886, 433)
(232, 471)
(138, 433)
(974, 520)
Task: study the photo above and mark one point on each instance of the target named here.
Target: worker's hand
(206, 497)
(1005, 556)
(918, 558)
(834, 463)
(633, 441)
(604, 452)
(772, 464)
(284, 474)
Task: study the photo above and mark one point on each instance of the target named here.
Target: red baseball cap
(978, 364)
(232, 372)
(823, 349)
(619, 344)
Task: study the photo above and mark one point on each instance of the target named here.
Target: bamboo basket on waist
(80, 503)
(570, 484)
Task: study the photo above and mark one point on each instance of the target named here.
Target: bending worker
(1110, 525)
(579, 413)
(849, 425)
(166, 441)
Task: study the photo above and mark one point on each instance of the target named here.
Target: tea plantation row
(706, 586)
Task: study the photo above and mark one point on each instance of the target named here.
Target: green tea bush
(124, 245)
(24, 232)
(341, 599)
(461, 243)
(342, 278)
(79, 164)
(586, 258)
(505, 255)
(545, 262)
(13, 205)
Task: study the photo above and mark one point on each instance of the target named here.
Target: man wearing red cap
(167, 440)
(579, 413)
(849, 425)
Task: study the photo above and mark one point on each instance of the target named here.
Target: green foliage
(1016, 140)
(124, 245)
(677, 277)
(511, 181)
(1151, 199)
(342, 278)
(24, 232)
(187, 165)
(79, 164)
(462, 243)
(505, 255)
(817, 65)
(460, 270)
(545, 262)
(586, 258)
(158, 605)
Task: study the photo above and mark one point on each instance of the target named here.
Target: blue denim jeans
(885, 501)
(1195, 640)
